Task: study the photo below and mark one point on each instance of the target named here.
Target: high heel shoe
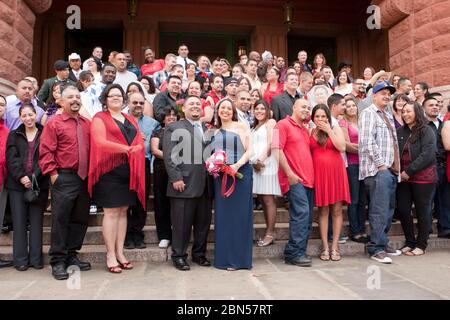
(126, 265)
(266, 241)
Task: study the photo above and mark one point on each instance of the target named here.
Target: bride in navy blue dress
(233, 224)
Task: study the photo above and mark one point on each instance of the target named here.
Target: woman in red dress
(273, 86)
(330, 177)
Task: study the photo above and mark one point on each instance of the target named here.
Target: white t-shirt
(125, 78)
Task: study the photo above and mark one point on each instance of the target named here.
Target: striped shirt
(376, 146)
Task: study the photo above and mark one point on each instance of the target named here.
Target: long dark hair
(420, 121)
(216, 119)
(266, 107)
(322, 136)
(51, 99)
(151, 83)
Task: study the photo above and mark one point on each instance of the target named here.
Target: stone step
(96, 253)
(96, 219)
(94, 234)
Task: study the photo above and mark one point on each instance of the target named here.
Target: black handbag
(32, 194)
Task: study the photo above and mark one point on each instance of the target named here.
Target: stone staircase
(94, 250)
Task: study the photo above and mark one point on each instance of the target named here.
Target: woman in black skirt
(117, 172)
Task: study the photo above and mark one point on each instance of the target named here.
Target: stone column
(271, 38)
(419, 40)
(17, 19)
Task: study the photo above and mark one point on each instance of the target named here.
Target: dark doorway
(312, 45)
(84, 40)
(212, 45)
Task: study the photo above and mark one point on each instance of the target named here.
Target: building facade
(414, 39)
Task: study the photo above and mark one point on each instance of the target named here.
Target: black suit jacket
(282, 106)
(72, 76)
(183, 157)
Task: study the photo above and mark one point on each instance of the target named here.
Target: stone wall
(17, 19)
(419, 40)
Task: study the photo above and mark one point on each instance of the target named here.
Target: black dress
(113, 188)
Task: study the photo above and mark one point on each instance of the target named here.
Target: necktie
(198, 131)
(395, 168)
(185, 63)
(82, 154)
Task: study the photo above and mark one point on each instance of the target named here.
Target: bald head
(301, 110)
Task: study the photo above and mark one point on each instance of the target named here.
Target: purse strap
(34, 183)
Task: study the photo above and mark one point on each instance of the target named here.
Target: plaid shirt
(376, 147)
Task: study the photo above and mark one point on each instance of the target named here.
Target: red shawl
(4, 131)
(447, 118)
(109, 149)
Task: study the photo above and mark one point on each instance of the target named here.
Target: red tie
(82, 156)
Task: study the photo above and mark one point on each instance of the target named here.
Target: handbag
(32, 194)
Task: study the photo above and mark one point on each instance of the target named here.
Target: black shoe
(59, 271)
(74, 261)
(444, 235)
(360, 239)
(129, 244)
(202, 261)
(21, 268)
(181, 264)
(299, 261)
(37, 266)
(5, 263)
(7, 228)
(140, 245)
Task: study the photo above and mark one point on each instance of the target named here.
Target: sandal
(405, 249)
(114, 269)
(325, 255)
(415, 252)
(335, 255)
(126, 265)
(267, 241)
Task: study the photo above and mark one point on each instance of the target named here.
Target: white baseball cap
(74, 56)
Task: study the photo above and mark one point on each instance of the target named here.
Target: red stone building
(414, 40)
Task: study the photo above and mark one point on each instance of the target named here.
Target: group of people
(92, 137)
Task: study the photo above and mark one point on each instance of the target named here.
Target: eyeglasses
(138, 102)
(115, 96)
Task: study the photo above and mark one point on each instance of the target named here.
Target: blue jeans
(442, 202)
(357, 209)
(301, 203)
(381, 189)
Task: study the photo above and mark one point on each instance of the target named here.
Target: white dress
(265, 181)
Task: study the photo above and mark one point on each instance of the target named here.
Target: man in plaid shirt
(379, 166)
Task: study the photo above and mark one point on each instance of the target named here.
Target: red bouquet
(216, 164)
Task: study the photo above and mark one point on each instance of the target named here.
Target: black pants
(70, 216)
(185, 214)
(161, 204)
(22, 213)
(137, 215)
(421, 195)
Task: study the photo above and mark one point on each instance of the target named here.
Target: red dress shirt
(59, 144)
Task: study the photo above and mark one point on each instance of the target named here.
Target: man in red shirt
(151, 65)
(296, 175)
(64, 156)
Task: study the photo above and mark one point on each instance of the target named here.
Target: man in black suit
(282, 104)
(190, 188)
(62, 75)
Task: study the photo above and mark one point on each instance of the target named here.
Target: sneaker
(392, 252)
(342, 239)
(164, 243)
(93, 209)
(381, 257)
